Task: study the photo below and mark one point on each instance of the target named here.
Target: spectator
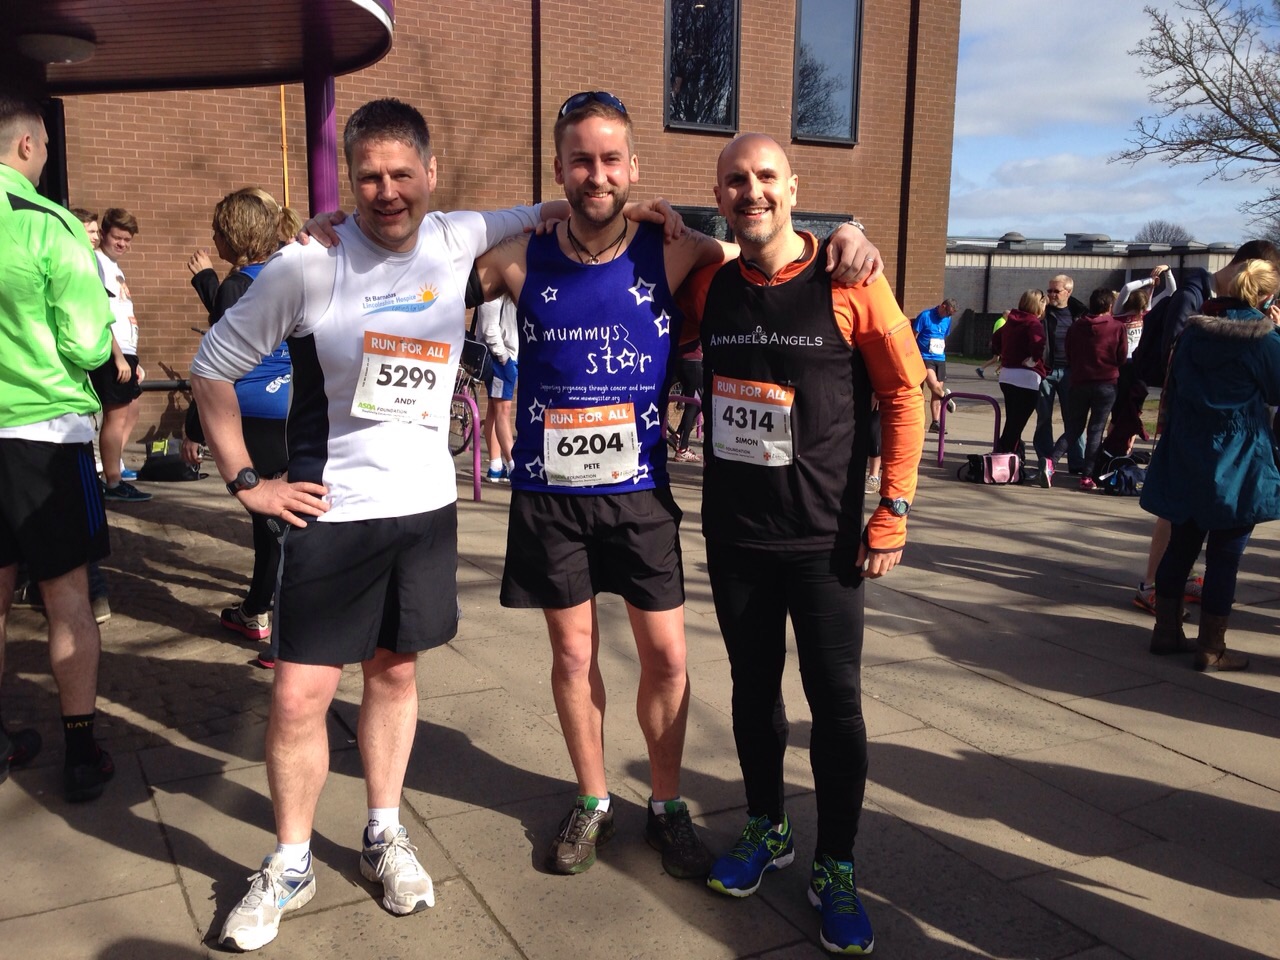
(931, 328)
(1095, 350)
(689, 380)
(1214, 472)
(118, 380)
(1020, 344)
(246, 227)
(54, 328)
(496, 326)
(1135, 300)
(981, 369)
(1060, 311)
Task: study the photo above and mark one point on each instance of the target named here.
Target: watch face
(248, 477)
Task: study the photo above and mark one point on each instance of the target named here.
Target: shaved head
(755, 191)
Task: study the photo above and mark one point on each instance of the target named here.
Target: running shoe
(127, 474)
(982, 374)
(1145, 599)
(1046, 474)
(125, 493)
(574, 848)
(27, 597)
(101, 609)
(392, 861)
(265, 661)
(1088, 485)
(951, 404)
(758, 851)
(671, 832)
(933, 427)
(273, 892)
(1194, 588)
(255, 626)
(497, 476)
(23, 745)
(86, 781)
(873, 484)
(686, 456)
(845, 926)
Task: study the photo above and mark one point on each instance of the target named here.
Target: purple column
(322, 131)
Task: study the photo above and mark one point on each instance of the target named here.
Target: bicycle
(462, 426)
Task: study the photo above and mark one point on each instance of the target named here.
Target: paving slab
(976, 709)
(1224, 735)
(1162, 900)
(1006, 821)
(1115, 773)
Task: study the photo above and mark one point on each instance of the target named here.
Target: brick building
(489, 77)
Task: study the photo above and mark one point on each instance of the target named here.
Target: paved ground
(1041, 787)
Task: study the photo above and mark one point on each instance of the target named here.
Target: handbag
(996, 468)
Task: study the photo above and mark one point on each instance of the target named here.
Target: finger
(292, 520)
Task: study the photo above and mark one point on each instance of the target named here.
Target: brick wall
(470, 67)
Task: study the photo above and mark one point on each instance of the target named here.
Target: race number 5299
(403, 379)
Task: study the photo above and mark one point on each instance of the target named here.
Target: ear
(793, 184)
(634, 174)
(26, 146)
(559, 171)
(431, 173)
(716, 191)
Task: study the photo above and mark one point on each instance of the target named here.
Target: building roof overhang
(142, 45)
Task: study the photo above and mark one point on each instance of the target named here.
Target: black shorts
(939, 367)
(563, 549)
(110, 391)
(348, 588)
(51, 512)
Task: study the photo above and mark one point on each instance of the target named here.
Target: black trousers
(265, 440)
(1019, 405)
(754, 592)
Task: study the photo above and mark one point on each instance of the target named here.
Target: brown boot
(1167, 636)
(1211, 646)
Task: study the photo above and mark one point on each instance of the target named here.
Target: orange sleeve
(691, 298)
(877, 327)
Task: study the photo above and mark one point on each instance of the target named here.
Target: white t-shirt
(339, 308)
(125, 328)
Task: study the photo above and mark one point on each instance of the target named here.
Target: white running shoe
(273, 891)
(406, 886)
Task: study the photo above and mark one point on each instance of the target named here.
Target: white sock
(510, 465)
(380, 820)
(602, 803)
(495, 466)
(659, 807)
(296, 856)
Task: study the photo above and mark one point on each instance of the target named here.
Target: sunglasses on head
(591, 96)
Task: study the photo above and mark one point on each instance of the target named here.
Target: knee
(665, 663)
(572, 659)
(392, 675)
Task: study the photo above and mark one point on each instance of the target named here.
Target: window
(702, 64)
(708, 220)
(825, 87)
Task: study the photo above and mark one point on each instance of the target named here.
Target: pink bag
(1001, 468)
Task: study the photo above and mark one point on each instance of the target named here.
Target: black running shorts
(110, 391)
(348, 588)
(51, 512)
(563, 549)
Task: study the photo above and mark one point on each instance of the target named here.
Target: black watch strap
(246, 479)
(898, 507)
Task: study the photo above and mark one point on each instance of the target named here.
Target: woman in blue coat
(1214, 474)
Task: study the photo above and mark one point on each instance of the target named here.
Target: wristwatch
(247, 479)
(897, 506)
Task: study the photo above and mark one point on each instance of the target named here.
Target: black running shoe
(23, 747)
(85, 781)
(684, 855)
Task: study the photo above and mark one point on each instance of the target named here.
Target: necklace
(593, 258)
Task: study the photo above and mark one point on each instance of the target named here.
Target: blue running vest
(595, 341)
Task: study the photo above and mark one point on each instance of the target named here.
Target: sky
(1046, 94)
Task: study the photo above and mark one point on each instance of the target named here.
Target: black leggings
(265, 440)
(1019, 405)
(754, 591)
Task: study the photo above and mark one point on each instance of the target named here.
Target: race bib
(752, 421)
(937, 345)
(403, 380)
(590, 446)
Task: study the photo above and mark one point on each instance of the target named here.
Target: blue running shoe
(127, 474)
(845, 926)
(760, 849)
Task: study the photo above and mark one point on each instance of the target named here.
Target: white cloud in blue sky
(1046, 93)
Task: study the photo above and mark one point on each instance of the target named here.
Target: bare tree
(818, 113)
(1215, 84)
(701, 68)
(1162, 231)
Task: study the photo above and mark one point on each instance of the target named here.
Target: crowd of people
(322, 383)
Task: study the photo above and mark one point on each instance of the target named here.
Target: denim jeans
(1221, 564)
(1089, 403)
(1058, 382)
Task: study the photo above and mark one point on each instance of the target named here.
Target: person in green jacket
(54, 327)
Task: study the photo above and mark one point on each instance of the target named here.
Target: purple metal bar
(942, 420)
(322, 129)
(477, 435)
